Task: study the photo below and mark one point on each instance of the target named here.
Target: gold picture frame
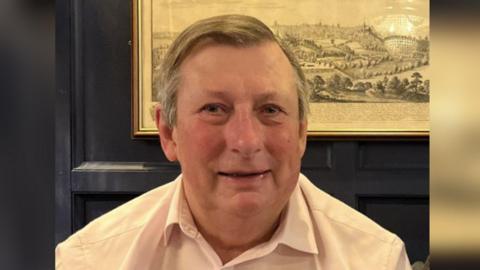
(367, 61)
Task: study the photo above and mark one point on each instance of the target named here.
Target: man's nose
(244, 134)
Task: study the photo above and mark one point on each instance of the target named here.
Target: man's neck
(231, 235)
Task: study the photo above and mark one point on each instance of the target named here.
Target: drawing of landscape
(360, 51)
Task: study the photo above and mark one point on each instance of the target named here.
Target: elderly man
(233, 112)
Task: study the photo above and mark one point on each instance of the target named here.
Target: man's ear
(166, 136)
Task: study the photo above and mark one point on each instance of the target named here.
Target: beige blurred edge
(455, 140)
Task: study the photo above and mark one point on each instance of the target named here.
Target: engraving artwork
(352, 51)
(366, 61)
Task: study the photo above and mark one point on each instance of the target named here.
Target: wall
(99, 165)
(26, 134)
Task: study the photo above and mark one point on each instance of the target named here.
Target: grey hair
(234, 30)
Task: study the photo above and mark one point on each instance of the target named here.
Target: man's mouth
(243, 174)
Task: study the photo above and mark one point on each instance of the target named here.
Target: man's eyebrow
(264, 95)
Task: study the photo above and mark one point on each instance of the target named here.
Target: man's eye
(271, 110)
(213, 108)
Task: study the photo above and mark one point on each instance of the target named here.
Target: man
(233, 112)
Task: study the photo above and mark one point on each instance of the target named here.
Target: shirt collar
(179, 214)
(295, 229)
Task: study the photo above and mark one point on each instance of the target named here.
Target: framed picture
(366, 61)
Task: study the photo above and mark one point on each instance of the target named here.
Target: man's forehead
(262, 71)
(262, 62)
(270, 52)
(212, 42)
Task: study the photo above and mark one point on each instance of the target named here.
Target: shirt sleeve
(70, 255)
(398, 259)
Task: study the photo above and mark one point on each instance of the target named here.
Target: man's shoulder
(126, 218)
(340, 216)
(352, 238)
(107, 241)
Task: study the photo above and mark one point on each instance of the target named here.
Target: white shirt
(157, 231)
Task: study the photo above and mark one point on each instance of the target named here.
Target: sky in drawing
(175, 15)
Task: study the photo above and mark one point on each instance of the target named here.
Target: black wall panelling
(88, 206)
(402, 155)
(100, 166)
(406, 215)
(63, 115)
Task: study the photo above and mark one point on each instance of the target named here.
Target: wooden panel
(393, 155)
(408, 217)
(103, 97)
(88, 207)
(318, 156)
(392, 182)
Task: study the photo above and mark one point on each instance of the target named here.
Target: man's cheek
(208, 140)
(282, 140)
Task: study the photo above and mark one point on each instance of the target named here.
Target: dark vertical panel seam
(63, 72)
(78, 108)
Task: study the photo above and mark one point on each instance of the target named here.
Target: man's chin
(248, 204)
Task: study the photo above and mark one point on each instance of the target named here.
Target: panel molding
(325, 165)
(116, 166)
(361, 199)
(122, 176)
(366, 160)
(81, 216)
